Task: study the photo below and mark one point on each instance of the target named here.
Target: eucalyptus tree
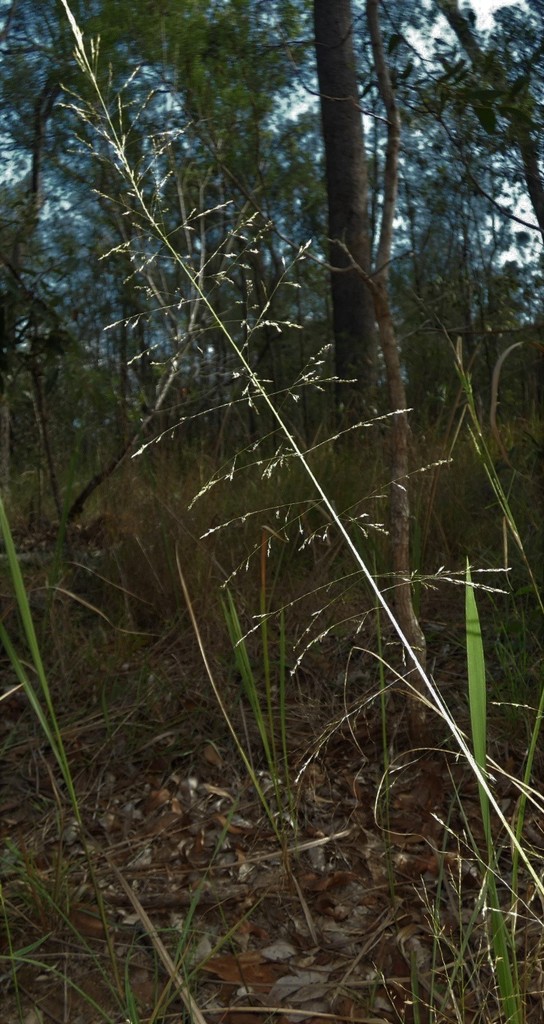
(379, 286)
(360, 275)
(350, 240)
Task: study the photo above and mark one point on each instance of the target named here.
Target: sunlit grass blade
(274, 746)
(45, 715)
(249, 683)
(476, 683)
(502, 944)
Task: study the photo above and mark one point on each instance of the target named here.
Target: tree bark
(399, 511)
(347, 192)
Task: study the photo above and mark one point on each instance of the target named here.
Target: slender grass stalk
(249, 682)
(12, 956)
(133, 1017)
(262, 708)
(45, 715)
(263, 601)
(438, 995)
(282, 681)
(505, 962)
(223, 707)
(386, 821)
(414, 987)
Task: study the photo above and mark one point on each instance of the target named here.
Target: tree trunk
(399, 513)
(400, 434)
(347, 191)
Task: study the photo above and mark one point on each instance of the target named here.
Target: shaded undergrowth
(330, 828)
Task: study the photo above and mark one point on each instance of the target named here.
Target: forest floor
(358, 899)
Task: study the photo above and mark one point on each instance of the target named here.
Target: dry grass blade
(307, 913)
(195, 1013)
(295, 1013)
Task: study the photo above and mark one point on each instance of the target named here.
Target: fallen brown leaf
(248, 969)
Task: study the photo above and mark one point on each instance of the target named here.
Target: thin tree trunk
(400, 433)
(347, 191)
(400, 465)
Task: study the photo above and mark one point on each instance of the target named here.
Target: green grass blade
(21, 596)
(501, 942)
(476, 676)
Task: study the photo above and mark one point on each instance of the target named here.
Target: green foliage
(265, 690)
